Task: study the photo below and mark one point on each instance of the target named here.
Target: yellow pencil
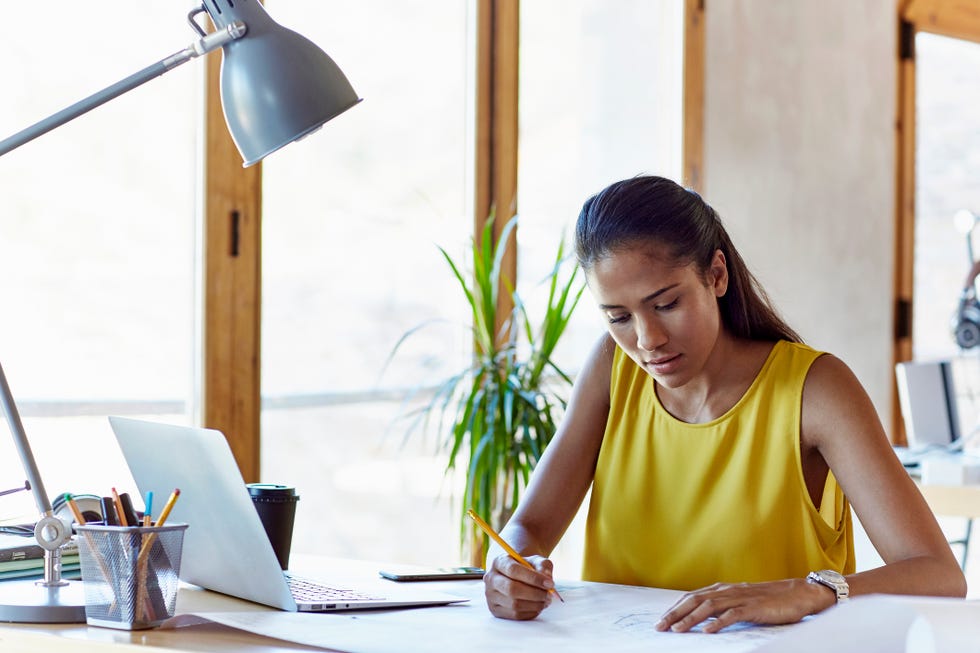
(148, 542)
(506, 547)
(119, 508)
(168, 507)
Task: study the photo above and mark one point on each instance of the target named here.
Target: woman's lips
(664, 364)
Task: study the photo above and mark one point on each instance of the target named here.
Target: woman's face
(663, 316)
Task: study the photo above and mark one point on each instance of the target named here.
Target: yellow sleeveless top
(681, 506)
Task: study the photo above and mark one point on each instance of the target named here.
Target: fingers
(721, 605)
(715, 603)
(516, 592)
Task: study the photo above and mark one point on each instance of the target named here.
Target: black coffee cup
(276, 505)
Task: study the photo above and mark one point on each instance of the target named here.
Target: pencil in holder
(130, 574)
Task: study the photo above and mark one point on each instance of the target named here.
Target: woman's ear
(718, 273)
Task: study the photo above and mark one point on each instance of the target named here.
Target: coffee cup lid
(271, 491)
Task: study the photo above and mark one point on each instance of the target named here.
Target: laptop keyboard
(307, 590)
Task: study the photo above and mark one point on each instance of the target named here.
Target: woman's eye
(616, 319)
(667, 307)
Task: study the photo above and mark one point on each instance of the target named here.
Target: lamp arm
(204, 45)
(23, 447)
(49, 531)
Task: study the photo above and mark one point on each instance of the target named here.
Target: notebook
(226, 548)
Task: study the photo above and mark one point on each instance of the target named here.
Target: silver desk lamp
(276, 87)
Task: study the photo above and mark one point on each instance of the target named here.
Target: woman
(723, 454)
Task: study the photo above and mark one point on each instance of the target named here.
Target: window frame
(944, 18)
(233, 214)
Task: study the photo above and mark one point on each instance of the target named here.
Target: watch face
(831, 576)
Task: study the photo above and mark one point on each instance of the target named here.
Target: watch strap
(832, 579)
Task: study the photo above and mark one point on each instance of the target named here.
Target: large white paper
(594, 617)
(597, 617)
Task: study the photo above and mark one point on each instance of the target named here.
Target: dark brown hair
(648, 209)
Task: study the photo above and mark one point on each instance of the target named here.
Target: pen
(506, 547)
(168, 507)
(79, 518)
(148, 511)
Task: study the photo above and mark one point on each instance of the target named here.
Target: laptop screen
(226, 548)
(940, 400)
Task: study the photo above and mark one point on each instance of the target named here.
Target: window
(352, 221)
(600, 100)
(101, 238)
(947, 169)
(98, 249)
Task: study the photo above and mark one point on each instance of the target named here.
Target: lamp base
(24, 601)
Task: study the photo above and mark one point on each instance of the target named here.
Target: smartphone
(412, 573)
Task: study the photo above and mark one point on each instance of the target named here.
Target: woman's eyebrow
(646, 299)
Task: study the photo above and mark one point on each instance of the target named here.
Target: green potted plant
(496, 416)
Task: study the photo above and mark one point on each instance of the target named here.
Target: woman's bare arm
(840, 421)
(840, 425)
(558, 485)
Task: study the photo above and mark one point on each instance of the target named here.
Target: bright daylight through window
(101, 255)
(97, 253)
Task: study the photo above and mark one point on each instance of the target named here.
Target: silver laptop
(226, 548)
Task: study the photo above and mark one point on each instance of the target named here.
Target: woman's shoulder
(781, 362)
(596, 372)
(831, 390)
(793, 348)
(604, 353)
(798, 355)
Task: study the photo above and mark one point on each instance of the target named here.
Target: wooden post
(693, 111)
(232, 286)
(496, 129)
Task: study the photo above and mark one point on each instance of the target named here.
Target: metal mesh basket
(130, 574)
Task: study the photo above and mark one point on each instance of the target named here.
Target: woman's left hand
(777, 602)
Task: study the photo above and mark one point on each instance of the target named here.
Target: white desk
(80, 638)
(594, 617)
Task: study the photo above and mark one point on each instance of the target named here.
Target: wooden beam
(232, 286)
(498, 32)
(693, 111)
(483, 184)
(954, 18)
(904, 214)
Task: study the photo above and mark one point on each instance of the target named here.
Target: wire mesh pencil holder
(130, 574)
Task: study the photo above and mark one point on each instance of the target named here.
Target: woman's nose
(649, 335)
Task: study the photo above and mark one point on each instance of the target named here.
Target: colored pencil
(79, 517)
(167, 507)
(120, 513)
(148, 511)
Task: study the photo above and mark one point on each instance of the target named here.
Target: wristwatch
(833, 580)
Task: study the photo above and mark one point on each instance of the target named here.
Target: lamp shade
(276, 85)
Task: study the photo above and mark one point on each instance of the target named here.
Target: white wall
(799, 161)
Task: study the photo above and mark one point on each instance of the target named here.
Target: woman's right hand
(515, 592)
